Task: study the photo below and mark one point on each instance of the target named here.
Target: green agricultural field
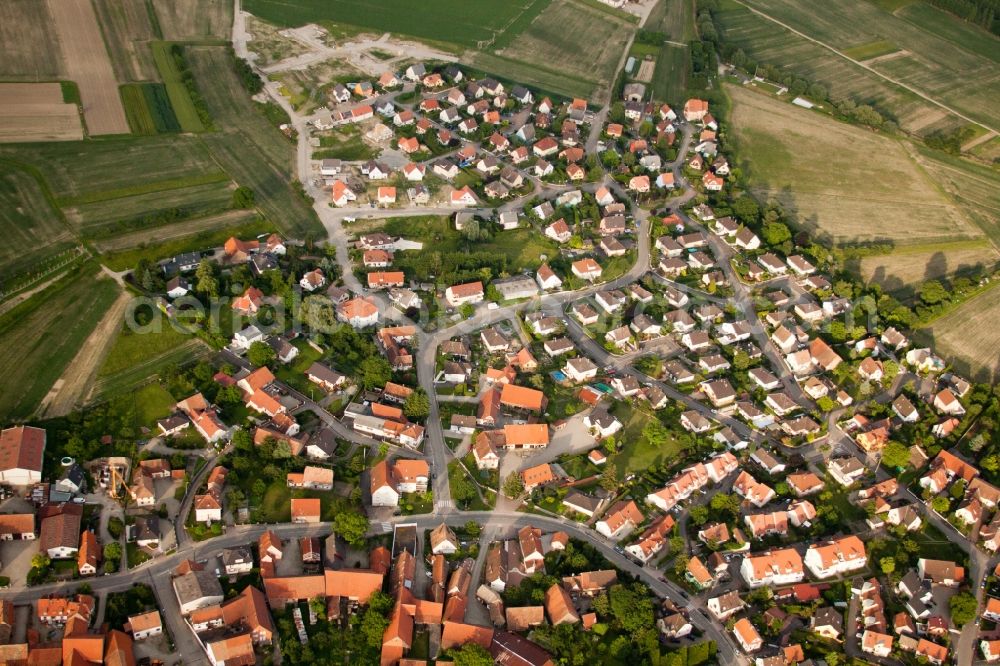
(147, 106)
(39, 337)
(835, 189)
(193, 20)
(674, 18)
(140, 118)
(253, 152)
(552, 41)
(133, 348)
(128, 28)
(956, 66)
(539, 77)
(32, 228)
(85, 171)
(771, 44)
(123, 214)
(180, 97)
(670, 78)
(465, 22)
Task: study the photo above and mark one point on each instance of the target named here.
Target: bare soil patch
(842, 181)
(970, 335)
(87, 62)
(30, 51)
(646, 70)
(904, 269)
(36, 112)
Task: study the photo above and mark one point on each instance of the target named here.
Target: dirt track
(71, 387)
(88, 64)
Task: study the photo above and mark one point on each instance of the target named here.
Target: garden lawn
(637, 453)
(293, 373)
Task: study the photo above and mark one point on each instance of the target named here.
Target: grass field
(636, 453)
(126, 380)
(147, 106)
(969, 336)
(344, 143)
(836, 188)
(907, 267)
(252, 151)
(128, 30)
(522, 247)
(871, 50)
(32, 228)
(131, 348)
(152, 402)
(42, 335)
(465, 22)
(28, 42)
(769, 43)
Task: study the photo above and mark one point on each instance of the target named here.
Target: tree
(895, 454)
(461, 488)
(933, 292)
(374, 371)
(776, 233)
(261, 354)
(513, 485)
(888, 565)
(417, 405)
(631, 607)
(609, 480)
(941, 504)
(656, 433)
(472, 654)
(206, 282)
(467, 310)
(113, 551)
(741, 360)
(963, 608)
(698, 514)
(352, 526)
(40, 561)
(243, 197)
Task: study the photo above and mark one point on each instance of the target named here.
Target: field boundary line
(865, 67)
